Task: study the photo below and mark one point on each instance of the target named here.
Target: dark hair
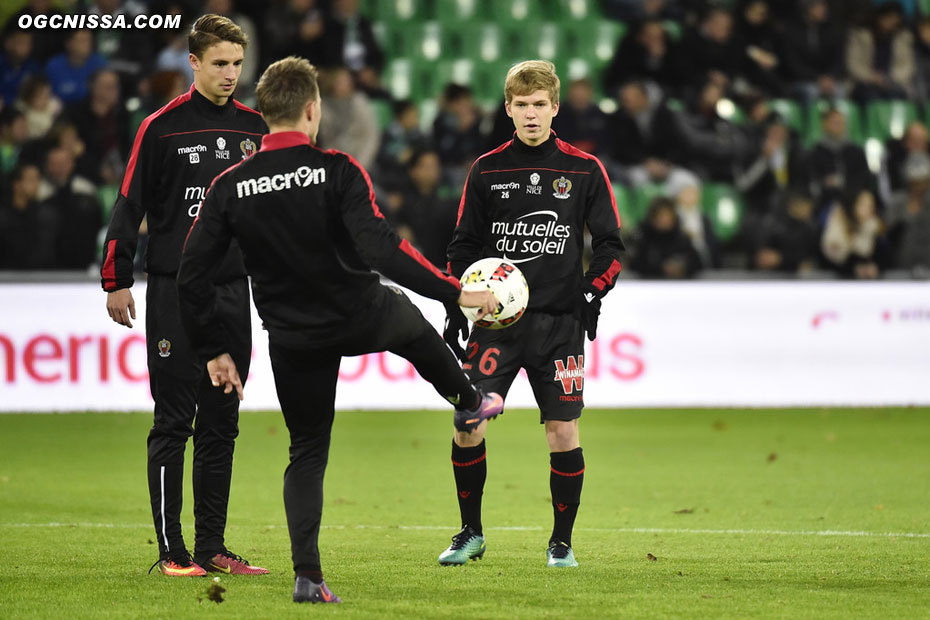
(211, 29)
(401, 106)
(452, 92)
(285, 88)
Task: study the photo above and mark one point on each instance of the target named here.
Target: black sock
(565, 480)
(316, 576)
(471, 470)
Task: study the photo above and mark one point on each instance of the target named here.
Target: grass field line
(530, 528)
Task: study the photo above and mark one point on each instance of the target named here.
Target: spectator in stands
(774, 165)
(908, 218)
(922, 58)
(64, 134)
(645, 54)
(131, 53)
(646, 141)
(46, 42)
(74, 201)
(580, 122)
(836, 164)
(760, 47)
(697, 226)
(348, 40)
(13, 135)
(159, 89)
(913, 143)
(400, 139)
(712, 52)
(881, 58)
(790, 240)
(293, 28)
(40, 106)
(175, 57)
(27, 228)
(69, 73)
(456, 133)
(103, 124)
(16, 63)
(349, 124)
(814, 52)
(638, 10)
(714, 145)
(425, 215)
(852, 240)
(661, 249)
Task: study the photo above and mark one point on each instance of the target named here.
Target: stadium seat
(850, 110)
(888, 119)
(480, 41)
(626, 207)
(515, 11)
(399, 13)
(383, 111)
(790, 111)
(407, 78)
(724, 205)
(539, 40)
(579, 9)
(642, 196)
(458, 12)
(595, 42)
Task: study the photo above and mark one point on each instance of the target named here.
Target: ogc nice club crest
(164, 347)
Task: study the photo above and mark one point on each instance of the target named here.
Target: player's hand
(455, 331)
(590, 310)
(222, 371)
(484, 300)
(121, 306)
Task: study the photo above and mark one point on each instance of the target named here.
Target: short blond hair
(526, 77)
(285, 88)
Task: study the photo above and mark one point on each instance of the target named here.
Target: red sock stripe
(562, 473)
(470, 463)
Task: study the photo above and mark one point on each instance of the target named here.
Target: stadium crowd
(699, 95)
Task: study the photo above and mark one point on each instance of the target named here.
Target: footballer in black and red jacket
(311, 235)
(177, 152)
(528, 201)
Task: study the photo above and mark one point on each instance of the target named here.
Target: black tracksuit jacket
(177, 153)
(311, 233)
(530, 205)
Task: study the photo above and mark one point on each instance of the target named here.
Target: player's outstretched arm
(223, 372)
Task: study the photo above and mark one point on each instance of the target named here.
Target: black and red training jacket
(311, 233)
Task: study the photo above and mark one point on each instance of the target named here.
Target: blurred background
(744, 138)
(749, 143)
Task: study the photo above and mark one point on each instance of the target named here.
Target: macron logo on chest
(304, 176)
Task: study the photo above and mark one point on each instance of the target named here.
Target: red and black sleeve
(119, 247)
(381, 247)
(603, 220)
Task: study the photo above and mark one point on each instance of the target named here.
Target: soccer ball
(507, 283)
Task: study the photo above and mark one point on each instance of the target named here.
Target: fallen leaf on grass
(879, 507)
(150, 541)
(720, 425)
(651, 557)
(214, 593)
(706, 596)
(772, 457)
(684, 511)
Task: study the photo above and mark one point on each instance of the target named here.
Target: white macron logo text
(302, 177)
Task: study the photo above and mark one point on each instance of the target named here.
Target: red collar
(283, 140)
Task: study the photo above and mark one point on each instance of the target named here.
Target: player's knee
(562, 435)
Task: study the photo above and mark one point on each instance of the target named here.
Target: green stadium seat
(673, 29)
(923, 6)
(888, 119)
(458, 12)
(724, 205)
(579, 9)
(596, 42)
(409, 78)
(383, 111)
(850, 110)
(106, 196)
(538, 40)
(480, 41)
(642, 196)
(399, 13)
(630, 215)
(789, 110)
(504, 12)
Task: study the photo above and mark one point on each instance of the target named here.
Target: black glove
(456, 328)
(589, 309)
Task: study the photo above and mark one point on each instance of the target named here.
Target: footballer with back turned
(177, 152)
(310, 233)
(529, 201)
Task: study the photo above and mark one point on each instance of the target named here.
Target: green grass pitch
(819, 513)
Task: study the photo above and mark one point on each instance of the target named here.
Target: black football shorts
(551, 350)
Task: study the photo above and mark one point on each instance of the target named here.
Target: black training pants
(187, 404)
(305, 379)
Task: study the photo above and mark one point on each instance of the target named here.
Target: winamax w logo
(570, 373)
(302, 177)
